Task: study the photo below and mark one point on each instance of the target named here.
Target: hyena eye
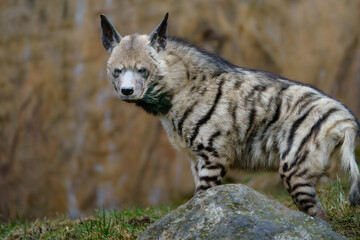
(143, 71)
(116, 72)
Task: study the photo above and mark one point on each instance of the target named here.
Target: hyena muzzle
(222, 116)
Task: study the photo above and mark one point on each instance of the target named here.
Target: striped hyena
(221, 115)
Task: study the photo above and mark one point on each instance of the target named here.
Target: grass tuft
(343, 218)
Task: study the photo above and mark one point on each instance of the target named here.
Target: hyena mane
(223, 116)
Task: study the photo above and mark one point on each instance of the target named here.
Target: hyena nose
(127, 91)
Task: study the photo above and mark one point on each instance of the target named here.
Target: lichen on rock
(235, 211)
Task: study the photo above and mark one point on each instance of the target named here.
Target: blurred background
(68, 146)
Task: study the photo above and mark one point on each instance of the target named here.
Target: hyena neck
(186, 65)
(187, 62)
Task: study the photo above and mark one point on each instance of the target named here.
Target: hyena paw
(318, 212)
(322, 215)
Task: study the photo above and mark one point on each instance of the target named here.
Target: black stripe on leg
(218, 166)
(293, 188)
(288, 184)
(306, 201)
(291, 174)
(302, 173)
(302, 159)
(299, 159)
(307, 207)
(296, 195)
(203, 155)
(293, 129)
(208, 115)
(316, 128)
(285, 167)
(209, 179)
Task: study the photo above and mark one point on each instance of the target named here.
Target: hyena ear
(158, 36)
(110, 37)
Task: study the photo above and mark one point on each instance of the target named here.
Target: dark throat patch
(156, 101)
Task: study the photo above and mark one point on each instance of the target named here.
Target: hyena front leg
(208, 173)
(301, 182)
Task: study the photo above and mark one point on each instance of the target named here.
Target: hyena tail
(349, 164)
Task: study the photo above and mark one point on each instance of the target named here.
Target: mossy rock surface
(235, 211)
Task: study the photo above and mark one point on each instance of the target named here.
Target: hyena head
(135, 67)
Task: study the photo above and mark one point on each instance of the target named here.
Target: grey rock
(235, 211)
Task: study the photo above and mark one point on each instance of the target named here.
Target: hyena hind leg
(208, 174)
(301, 185)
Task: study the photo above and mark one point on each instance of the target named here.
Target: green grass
(344, 219)
(131, 222)
(126, 224)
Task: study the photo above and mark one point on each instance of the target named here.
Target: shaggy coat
(223, 116)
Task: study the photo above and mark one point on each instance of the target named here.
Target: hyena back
(223, 116)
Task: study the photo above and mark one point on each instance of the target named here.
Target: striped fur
(223, 116)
